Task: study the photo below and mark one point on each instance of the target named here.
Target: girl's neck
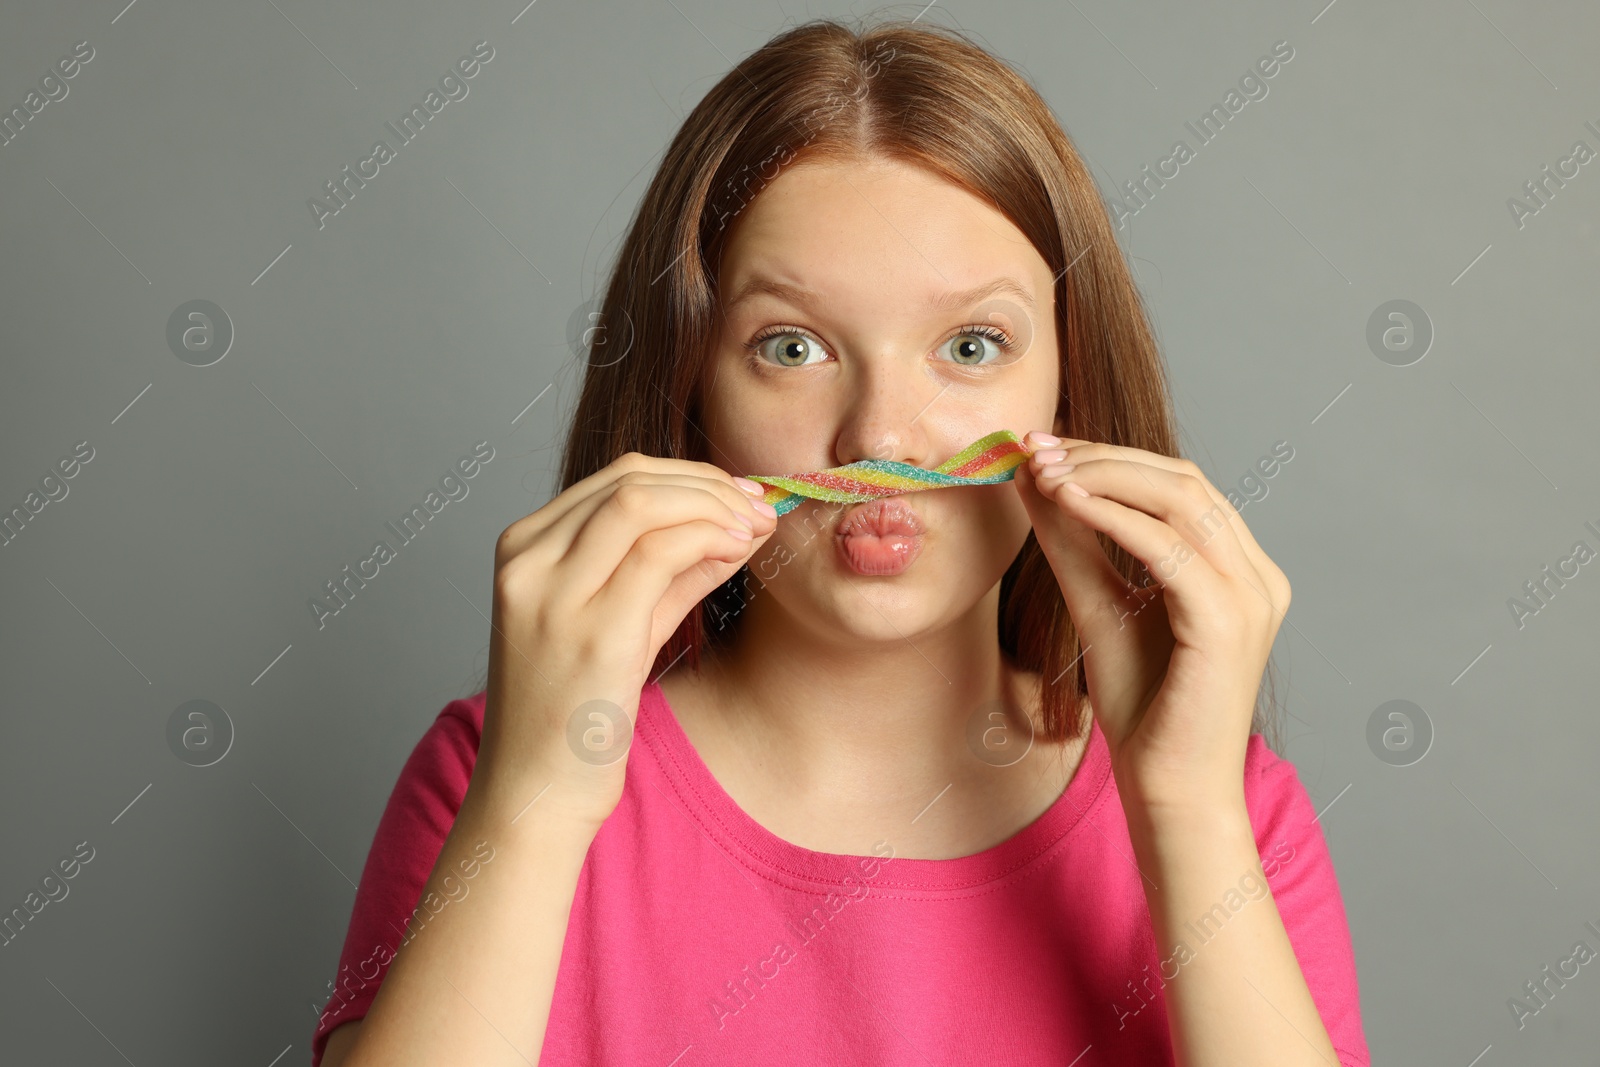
(833, 745)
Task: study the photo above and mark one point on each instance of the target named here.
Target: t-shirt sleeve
(1299, 870)
(417, 819)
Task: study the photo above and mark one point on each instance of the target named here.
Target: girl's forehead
(879, 240)
(867, 199)
(925, 239)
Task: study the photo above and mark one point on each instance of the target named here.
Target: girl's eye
(978, 346)
(793, 348)
(786, 346)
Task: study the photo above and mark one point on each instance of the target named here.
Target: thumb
(691, 586)
(1090, 585)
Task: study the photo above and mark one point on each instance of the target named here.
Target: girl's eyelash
(771, 332)
(982, 329)
(993, 333)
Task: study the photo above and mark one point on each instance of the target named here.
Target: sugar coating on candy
(989, 460)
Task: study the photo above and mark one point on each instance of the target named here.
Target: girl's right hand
(586, 591)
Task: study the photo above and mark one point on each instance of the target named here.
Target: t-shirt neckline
(796, 867)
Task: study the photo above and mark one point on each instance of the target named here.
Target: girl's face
(875, 311)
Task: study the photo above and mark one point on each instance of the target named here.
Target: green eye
(792, 348)
(787, 346)
(971, 347)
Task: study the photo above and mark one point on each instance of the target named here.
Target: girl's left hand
(1173, 664)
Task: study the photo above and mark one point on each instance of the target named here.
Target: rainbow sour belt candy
(986, 461)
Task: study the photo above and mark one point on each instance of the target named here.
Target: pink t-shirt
(698, 937)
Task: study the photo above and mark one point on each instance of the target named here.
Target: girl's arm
(1240, 998)
(586, 591)
(474, 984)
(1172, 666)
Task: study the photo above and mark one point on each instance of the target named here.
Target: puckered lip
(883, 516)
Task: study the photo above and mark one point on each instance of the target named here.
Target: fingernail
(1049, 455)
(1074, 487)
(1056, 470)
(765, 508)
(748, 525)
(755, 489)
(1043, 438)
(743, 535)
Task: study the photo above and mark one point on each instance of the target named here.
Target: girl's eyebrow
(967, 297)
(800, 296)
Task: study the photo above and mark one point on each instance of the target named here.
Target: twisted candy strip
(988, 460)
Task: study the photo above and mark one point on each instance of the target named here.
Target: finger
(1177, 499)
(1085, 573)
(630, 511)
(1164, 552)
(571, 508)
(1082, 451)
(693, 585)
(555, 540)
(655, 561)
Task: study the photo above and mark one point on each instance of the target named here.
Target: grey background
(429, 313)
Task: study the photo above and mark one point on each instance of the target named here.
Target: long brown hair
(917, 94)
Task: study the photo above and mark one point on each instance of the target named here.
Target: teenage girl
(963, 776)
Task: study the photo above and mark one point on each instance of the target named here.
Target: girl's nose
(887, 417)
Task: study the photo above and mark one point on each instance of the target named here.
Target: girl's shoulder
(1286, 818)
(1270, 777)
(443, 757)
(467, 711)
(1273, 791)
